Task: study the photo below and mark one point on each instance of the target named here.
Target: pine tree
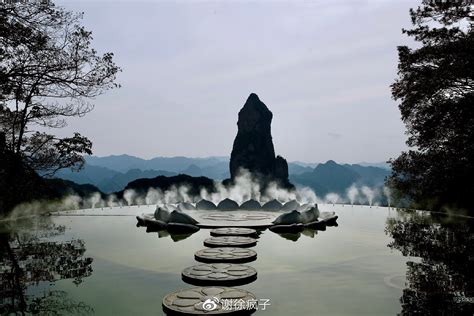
(435, 87)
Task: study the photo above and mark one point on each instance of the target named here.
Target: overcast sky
(322, 67)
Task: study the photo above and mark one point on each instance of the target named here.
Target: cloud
(190, 65)
(335, 136)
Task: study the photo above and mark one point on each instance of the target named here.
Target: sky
(324, 69)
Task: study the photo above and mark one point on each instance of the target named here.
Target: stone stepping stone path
(227, 247)
(234, 231)
(225, 255)
(206, 301)
(219, 274)
(230, 241)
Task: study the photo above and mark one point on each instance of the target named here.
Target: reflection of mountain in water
(27, 261)
(442, 283)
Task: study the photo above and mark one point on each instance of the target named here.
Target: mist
(245, 187)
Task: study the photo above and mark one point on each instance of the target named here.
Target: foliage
(48, 73)
(435, 87)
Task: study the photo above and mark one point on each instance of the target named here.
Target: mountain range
(114, 173)
(337, 178)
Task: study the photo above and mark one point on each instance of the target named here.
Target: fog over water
(245, 188)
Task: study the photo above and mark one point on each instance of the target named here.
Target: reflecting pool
(378, 261)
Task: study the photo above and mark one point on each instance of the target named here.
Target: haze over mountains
(113, 173)
(252, 150)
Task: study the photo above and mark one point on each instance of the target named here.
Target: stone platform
(234, 231)
(206, 219)
(223, 274)
(230, 241)
(225, 255)
(239, 218)
(206, 301)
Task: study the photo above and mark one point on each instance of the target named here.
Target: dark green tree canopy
(48, 72)
(435, 87)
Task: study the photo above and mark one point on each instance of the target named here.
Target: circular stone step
(225, 255)
(219, 274)
(234, 231)
(230, 241)
(208, 301)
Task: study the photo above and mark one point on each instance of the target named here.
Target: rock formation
(273, 205)
(250, 205)
(227, 205)
(205, 205)
(253, 146)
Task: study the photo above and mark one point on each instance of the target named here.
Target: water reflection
(174, 237)
(32, 256)
(295, 236)
(440, 281)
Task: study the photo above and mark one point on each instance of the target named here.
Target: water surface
(376, 262)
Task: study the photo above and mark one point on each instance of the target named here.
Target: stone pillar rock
(253, 146)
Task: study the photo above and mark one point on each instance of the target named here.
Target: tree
(48, 72)
(435, 87)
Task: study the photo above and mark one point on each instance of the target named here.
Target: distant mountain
(306, 164)
(327, 177)
(215, 167)
(89, 174)
(120, 180)
(383, 165)
(64, 187)
(108, 180)
(119, 163)
(332, 177)
(113, 173)
(193, 171)
(123, 163)
(370, 176)
(218, 171)
(295, 168)
(195, 184)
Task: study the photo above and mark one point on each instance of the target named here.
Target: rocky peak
(253, 146)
